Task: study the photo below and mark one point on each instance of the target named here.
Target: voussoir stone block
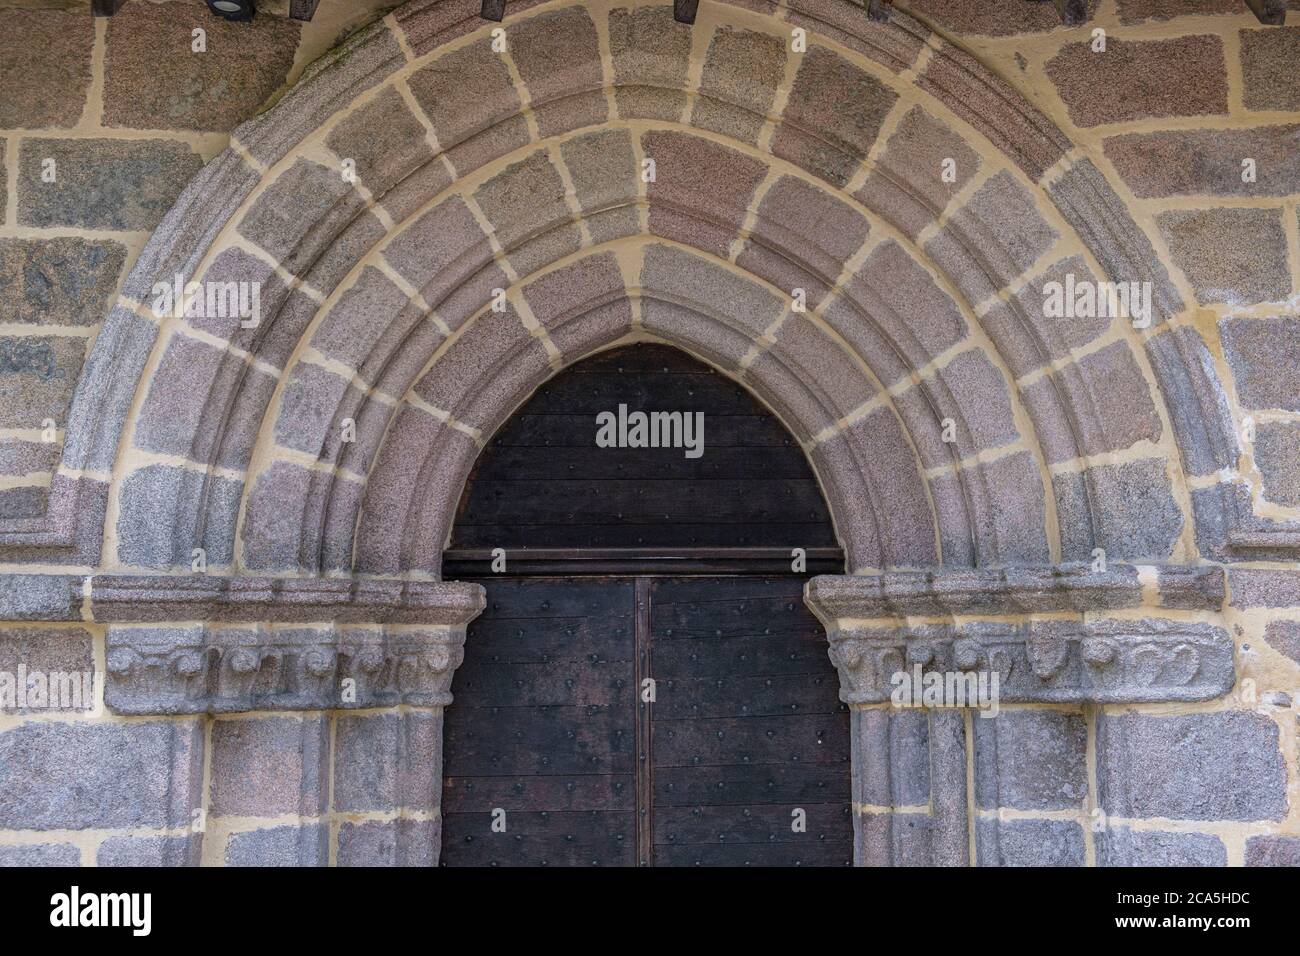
(358, 330)
(444, 250)
(1207, 438)
(603, 168)
(384, 140)
(65, 281)
(558, 58)
(266, 767)
(157, 526)
(680, 275)
(802, 238)
(526, 205)
(908, 185)
(990, 19)
(469, 97)
(742, 71)
(832, 382)
(102, 183)
(650, 53)
(44, 67)
(1233, 256)
(1265, 358)
(300, 213)
(1135, 11)
(1128, 510)
(1221, 766)
(1031, 760)
(80, 776)
(1129, 81)
(582, 305)
(973, 393)
(204, 91)
(1008, 509)
(830, 136)
(700, 191)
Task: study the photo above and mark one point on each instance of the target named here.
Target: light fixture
(238, 10)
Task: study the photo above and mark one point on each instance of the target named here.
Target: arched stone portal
(436, 227)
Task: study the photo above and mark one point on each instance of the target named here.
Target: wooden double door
(653, 720)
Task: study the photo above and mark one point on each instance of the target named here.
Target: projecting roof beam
(494, 10)
(303, 9)
(684, 10)
(105, 8)
(1271, 12)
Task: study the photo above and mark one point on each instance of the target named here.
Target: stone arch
(199, 398)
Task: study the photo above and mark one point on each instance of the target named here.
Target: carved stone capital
(1108, 660)
(215, 668)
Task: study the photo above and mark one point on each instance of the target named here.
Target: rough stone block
(243, 65)
(907, 186)
(741, 74)
(62, 656)
(1277, 456)
(37, 597)
(1008, 510)
(895, 765)
(701, 189)
(1231, 256)
(1269, 77)
(384, 140)
(1222, 766)
(650, 53)
(440, 251)
(306, 845)
(972, 392)
(44, 67)
(37, 378)
(1129, 81)
(1258, 587)
(692, 279)
(990, 19)
(579, 301)
(267, 767)
(558, 57)
(1273, 851)
(154, 496)
(40, 854)
(1196, 162)
(388, 761)
(169, 851)
(274, 521)
(81, 776)
(64, 281)
(1124, 846)
(1028, 843)
(102, 183)
(1031, 760)
(833, 383)
(846, 125)
(368, 312)
(28, 501)
(1284, 637)
(1135, 11)
(1265, 358)
(392, 843)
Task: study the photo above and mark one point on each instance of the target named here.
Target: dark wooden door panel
(547, 838)
(542, 728)
(747, 728)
